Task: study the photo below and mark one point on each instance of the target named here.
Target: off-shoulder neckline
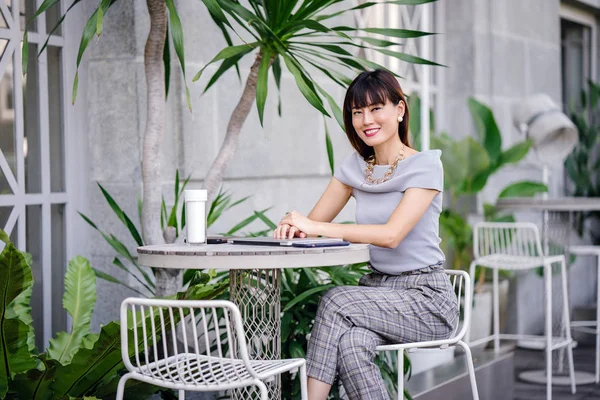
(406, 159)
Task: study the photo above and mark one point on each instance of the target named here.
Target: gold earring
(400, 118)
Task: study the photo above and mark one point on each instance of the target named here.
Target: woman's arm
(409, 211)
(332, 201)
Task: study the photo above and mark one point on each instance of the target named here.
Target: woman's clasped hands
(294, 224)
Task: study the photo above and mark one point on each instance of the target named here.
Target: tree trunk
(214, 177)
(167, 281)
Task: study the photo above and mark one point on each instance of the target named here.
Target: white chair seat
(193, 369)
(202, 348)
(515, 262)
(585, 250)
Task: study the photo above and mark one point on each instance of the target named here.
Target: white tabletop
(556, 204)
(232, 256)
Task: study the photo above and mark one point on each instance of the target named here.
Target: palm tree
(302, 35)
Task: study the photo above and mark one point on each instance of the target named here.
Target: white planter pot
(424, 359)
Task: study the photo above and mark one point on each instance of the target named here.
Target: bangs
(367, 92)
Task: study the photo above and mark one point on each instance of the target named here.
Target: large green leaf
(90, 367)
(523, 189)
(487, 129)
(16, 325)
(515, 153)
(463, 161)
(36, 383)
(79, 299)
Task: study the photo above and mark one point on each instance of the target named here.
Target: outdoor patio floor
(528, 360)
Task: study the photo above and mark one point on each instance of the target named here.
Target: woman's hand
(292, 225)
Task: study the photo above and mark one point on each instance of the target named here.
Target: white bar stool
(517, 246)
(592, 327)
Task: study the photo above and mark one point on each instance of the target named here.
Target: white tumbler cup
(195, 216)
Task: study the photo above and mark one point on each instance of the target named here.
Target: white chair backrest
(461, 283)
(146, 322)
(506, 238)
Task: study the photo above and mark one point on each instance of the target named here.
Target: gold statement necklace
(388, 174)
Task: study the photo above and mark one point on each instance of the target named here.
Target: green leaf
(225, 66)
(408, 58)
(261, 215)
(306, 295)
(75, 87)
(90, 367)
(515, 153)
(177, 37)
(301, 81)
(296, 351)
(79, 299)
(227, 52)
(122, 216)
(16, 325)
(112, 279)
(99, 21)
(262, 84)
(398, 33)
(24, 54)
(167, 63)
(216, 11)
(277, 76)
(414, 124)
(329, 148)
(335, 108)
(4, 236)
(523, 189)
(149, 285)
(245, 222)
(487, 130)
(36, 383)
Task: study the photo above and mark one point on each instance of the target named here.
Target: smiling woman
(398, 193)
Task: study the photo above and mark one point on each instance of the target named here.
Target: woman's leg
(359, 374)
(399, 309)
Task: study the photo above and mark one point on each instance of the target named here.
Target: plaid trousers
(351, 321)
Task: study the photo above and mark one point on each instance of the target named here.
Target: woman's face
(377, 123)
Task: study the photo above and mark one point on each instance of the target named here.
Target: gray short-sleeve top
(376, 203)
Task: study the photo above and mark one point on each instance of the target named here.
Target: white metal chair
(203, 362)
(592, 327)
(461, 283)
(517, 246)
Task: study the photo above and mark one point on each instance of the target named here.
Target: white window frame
(396, 17)
(20, 199)
(575, 14)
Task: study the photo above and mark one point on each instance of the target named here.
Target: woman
(398, 192)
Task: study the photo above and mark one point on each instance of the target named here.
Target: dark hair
(373, 87)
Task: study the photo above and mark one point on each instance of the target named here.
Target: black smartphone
(216, 240)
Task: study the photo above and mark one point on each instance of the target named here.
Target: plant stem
(167, 280)
(155, 121)
(214, 177)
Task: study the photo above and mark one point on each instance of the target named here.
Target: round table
(554, 227)
(254, 279)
